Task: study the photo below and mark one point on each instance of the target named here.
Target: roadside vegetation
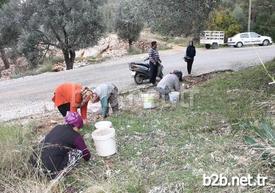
(228, 128)
(31, 28)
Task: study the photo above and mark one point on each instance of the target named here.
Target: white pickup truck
(212, 39)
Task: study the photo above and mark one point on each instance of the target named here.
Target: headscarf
(178, 74)
(74, 119)
(86, 95)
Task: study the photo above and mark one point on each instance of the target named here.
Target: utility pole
(249, 16)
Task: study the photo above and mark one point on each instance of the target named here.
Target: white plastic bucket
(148, 101)
(103, 124)
(174, 97)
(105, 142)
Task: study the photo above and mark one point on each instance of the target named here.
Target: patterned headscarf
(74, 119)
(86, 95)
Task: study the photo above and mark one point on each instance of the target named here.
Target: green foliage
(109, 10)
(165, 146)
(2, 2)
(264, 130)
(239, 14)
(177, 17)
(16, 175)
(265, 140)
(13, 142)
(264, 20)
(29, 46)
(67, 25)
(262, 16)
(128, 23)
(223, 21)
(47, 64)
(9, 30)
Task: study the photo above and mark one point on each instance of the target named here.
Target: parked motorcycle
(141, 71)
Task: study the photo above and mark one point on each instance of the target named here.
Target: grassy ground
(167, 149)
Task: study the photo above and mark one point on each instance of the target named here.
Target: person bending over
(70, 97)
(169, 83)
(107, 94)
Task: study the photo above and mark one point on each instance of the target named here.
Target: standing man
(154, 62)
(106, 93)
(190, 54)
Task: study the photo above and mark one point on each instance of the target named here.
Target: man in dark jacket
(62, 147)
(189, 57)
(154, 62)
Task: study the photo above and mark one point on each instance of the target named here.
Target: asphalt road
(30, 95)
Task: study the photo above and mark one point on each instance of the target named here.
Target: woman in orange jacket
(70, 97)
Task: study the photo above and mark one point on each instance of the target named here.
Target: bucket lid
(103, 134)
(103, 124)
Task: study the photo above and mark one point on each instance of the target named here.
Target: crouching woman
(169, 83)
(62, 147)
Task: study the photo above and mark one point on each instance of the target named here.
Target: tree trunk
(4, 58)
(69, 56)
(130, 43)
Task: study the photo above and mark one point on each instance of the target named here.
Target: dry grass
(15, 149)
(165, 149)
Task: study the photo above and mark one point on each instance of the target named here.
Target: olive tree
(264, 19)
(9, 30)
(178, 17)
(128, 21)
(221, 19)
(67, 25)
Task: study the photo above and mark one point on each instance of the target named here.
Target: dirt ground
(130, 101)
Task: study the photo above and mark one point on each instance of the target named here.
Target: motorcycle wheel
(138, 78)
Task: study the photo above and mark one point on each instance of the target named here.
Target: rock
(54, 52)
(53, 122)
(6, 74)
(243, 161)
(21, 64)
(58, 67)
(143, 45)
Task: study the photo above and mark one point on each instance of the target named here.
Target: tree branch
(65, 36)
(46, 41)
(57, 36)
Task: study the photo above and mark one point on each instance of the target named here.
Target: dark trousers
(153, 72)
(64, 108)
(189, 66)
